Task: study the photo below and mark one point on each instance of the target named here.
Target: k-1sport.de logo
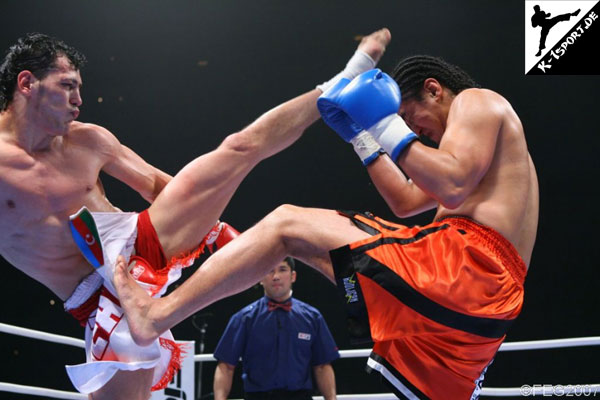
(562, 37)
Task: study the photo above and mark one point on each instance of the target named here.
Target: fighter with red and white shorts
(95, 304)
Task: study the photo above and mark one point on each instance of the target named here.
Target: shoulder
(94, 138)
(307, 309)
(12, 155)
(474, 96)
(248, 311)
(91, 134)
(8, 144)
(479, 102)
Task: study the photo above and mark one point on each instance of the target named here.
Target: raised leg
(306, 234)
(548, 24)
(193, 201)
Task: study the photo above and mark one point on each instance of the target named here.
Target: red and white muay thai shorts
(109, 346)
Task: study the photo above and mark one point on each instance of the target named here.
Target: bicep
(128, 167)
(120, 162)
(470, 138)
(125, 165)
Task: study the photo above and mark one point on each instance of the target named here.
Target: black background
(175, 77)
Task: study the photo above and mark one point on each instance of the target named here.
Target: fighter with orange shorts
(437, 300)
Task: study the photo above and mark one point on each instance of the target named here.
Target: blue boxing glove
(372, 100)
(370, 97)
(365, 146)
(334, 116)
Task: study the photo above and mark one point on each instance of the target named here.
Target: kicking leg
(306, 234)
(192, 202)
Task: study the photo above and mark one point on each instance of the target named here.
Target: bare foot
(138, 306)
(374, 44)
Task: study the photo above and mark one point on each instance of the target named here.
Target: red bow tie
(286, 306)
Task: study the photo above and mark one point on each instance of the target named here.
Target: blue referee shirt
(278, 348)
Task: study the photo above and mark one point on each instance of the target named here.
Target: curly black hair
(37, 53)
(411, 72)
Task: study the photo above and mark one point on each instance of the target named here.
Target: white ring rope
(535, 390)
(55, 394)
(49, 337)
(513, 346)
(550, 344)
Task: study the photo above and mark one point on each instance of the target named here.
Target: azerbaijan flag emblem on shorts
(85, 234)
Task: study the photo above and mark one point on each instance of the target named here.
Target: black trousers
(279, 395)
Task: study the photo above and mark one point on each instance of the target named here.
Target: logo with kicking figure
(561, 37)
(543, 20)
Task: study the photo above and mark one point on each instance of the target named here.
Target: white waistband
(87, 287)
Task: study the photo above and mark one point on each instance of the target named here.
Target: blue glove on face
(370, 97)
(365, 146)
(372, 100)
(334, 116)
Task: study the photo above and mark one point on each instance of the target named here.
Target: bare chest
(44, 189)
(36, 199)
(38, 194)
(506, 197)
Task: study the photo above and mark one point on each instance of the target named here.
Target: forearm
(438, 173)
(325, 378)
(223, 380)
(402, 196)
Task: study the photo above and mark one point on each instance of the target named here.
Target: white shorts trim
(392, 379)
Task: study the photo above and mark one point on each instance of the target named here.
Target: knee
(284, 219)
(285, 213)
(241, 143)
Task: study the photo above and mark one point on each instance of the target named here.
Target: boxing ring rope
(38, 391)
(48, 337)
(535, 390)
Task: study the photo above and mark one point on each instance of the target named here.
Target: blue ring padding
(408, 139)
(85, 249)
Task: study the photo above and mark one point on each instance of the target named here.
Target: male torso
(38, 192)
(506, 198)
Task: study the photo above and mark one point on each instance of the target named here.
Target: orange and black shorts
(436, 301)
